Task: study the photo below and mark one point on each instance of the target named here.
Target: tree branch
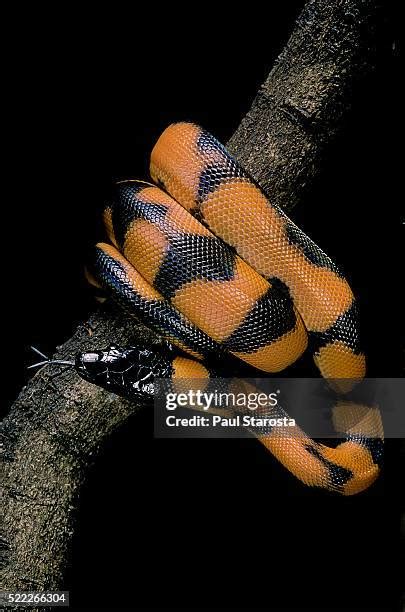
(300, 106)
(58, 423)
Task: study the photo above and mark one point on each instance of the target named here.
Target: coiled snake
(206, 260)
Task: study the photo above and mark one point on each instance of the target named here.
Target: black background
(192, 523)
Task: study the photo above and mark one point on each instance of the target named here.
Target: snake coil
(207, 261)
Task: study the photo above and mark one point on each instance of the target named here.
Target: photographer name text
(235, 421)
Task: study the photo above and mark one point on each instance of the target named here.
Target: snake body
(197, 171)
(206, 260)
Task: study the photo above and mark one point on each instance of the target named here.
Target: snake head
(127, 371)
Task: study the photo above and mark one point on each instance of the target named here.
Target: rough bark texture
(300, 106)
(59, 422)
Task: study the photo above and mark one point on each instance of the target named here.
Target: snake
(204, 258)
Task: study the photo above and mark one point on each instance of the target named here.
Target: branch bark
(59, 422)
